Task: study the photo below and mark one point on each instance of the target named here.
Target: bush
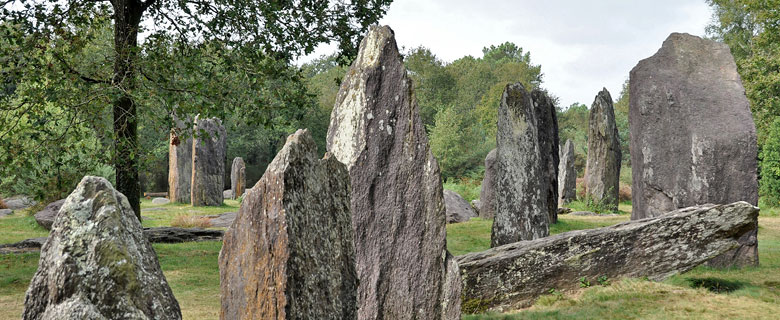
(770, 166)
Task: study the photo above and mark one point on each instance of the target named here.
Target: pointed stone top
(603, 95)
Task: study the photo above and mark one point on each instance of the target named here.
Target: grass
(467, 188)
(193, 274)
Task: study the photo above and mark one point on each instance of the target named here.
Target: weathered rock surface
(6, 212)
(476, 205)
(27, 245)
(398, 211)
(97, 264)
(179, 163)
(458, 209)
(237, 178)
(522, 184)
(160, 201)
(227, 194)
(693, 139)
(290, 252)
(46, 217)
(487, 193)
(567, 175)
(547, 122)
(19, 202)
(602, 170)
(514, 275)
(208, 163)
(223, 220)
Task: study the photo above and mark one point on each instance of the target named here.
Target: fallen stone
(487, 193)
(522, 184)
(237, 178)
(179, 162)
(398, 211)
(693, 139)
(547, 122)
(19, 202)
(223, 220)
(160, 201)
(96, 263)
(155, 194)
(589, 213)
(458, 210)
(567, 175)
(6, 212)
(290, 254)
(514, 275)
(563, 210)
(602, 170)
(24, 246)
(45, 218)
(208, 163)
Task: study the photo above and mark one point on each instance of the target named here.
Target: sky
(582, 46)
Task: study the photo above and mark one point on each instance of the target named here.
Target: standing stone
(398, 211)
(180, 163)
(602, 170)
(521, 185)
(547, 123)
(567, 175)
(97, 263)
(237, 177)
(487, 193)
(458, 209)
(208, 162)
(693, 139)
(290, 254)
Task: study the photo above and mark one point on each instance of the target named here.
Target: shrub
(770, 166)
(183, 221)
(624, 193)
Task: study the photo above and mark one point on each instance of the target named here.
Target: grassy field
(192, 272)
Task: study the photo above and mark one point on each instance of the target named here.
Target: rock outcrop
(208, 162)
(97, 264)
(487, 193)
(45, 218)
(290, 252)
(602, 170)
(547, 122)
(458, 209)
(522, 184)
(180, 162)
(567, 175)
(237, 178)
(693, 139)
(514, 275)
(398, 211)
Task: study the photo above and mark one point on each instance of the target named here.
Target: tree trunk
(127, 16)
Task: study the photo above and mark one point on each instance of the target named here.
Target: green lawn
(192, 272)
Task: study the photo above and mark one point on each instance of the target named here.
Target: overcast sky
(581, 45)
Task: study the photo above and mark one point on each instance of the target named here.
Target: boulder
(693, 139)
(6, 212)
(458, 209)
(97, 264)
(547, 124)
(178, 235)
(208, 162)
(476, 205)
(180, 162)
(602, 170)
(512, 276)
(45, 217)
(237, 178)
(398, 211)
(567, 175)
(19, 202)
(290, 252)
(223, 220)
(160, 201)
(227, 194)
(522, 184)
(487, 193)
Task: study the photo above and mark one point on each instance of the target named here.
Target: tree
(770, 166)
(262, 30)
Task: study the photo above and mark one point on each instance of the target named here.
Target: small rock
(46, 217)
(564, 210)
(227, 194)
(458, 210)
(221, 220)
(20, 202)
(6, 212)
(160, 201)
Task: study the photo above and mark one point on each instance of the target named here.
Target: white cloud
(581, 45)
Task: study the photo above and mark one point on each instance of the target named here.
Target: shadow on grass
(715, 285)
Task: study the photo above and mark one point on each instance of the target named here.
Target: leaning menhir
(693, 139)
(290, 254)
(398, 211)
(602, 170)
(97, 263)
(521, 180)
(208, 162)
